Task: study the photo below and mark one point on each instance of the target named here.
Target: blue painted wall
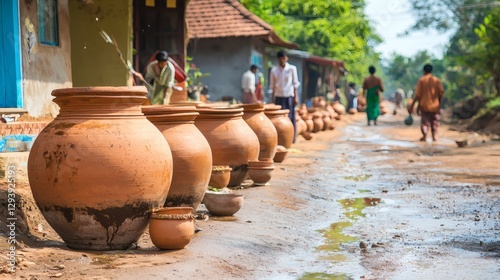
(10, 56)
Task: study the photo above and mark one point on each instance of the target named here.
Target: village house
(50, 44)
(224, 40)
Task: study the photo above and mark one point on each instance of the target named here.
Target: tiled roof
(228, 18)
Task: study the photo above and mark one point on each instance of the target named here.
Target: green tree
(468, 56)
(337, 29)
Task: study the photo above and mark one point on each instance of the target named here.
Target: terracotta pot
(281, 154)
(99, 168)
(171, 228)
(301, 124)
(191, 153)
(318, 123)
(283, 125)
(223, 204)
(232, 141)
(221, 175)
(338, 108)
(261, 163)
(309, 123)
(326, 121)
(260, 175)
(353, 111)
(253, 115)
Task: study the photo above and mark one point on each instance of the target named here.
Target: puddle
(326, 276)
(358, 178)
(364, 191)
(334, 236)
(378, 139)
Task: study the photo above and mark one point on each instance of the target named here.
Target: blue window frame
(48, 25)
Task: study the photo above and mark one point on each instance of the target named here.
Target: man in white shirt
(248, 85)
(284, 84)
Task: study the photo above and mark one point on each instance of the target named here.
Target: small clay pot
(260, 163)
(260, 175)
(318, 123)
(221, 175)
(280, 156)
(353, 111)
(223, 204)
(171, 228)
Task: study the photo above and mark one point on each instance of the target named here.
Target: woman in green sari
(372, 87)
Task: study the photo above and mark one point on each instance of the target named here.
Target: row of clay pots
(100, 167)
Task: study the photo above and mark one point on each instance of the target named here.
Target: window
(48, 22)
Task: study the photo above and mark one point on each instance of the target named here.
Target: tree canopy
(337, 29)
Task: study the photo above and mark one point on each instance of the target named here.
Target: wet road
(354, 203)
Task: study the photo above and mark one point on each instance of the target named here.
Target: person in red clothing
(429, 95)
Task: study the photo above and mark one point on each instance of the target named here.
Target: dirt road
(354, 203)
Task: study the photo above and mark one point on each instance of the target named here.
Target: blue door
(10, 56)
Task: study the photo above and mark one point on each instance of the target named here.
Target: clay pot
(330, 110)
(253, 115)
(191, 153)
(326, 121)
(309, 123)
(99, 168)
(232, 141)
(353, 111)
(223, 204)
(318, 123)
(301, 125)
(221, 175)
(281, 154)
(260, 175)
(338, 108)
(261, 163)
(171, 228)
(283, 125)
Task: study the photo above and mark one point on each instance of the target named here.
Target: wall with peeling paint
(45, 68)
(95, 62)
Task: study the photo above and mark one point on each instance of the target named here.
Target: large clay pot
(99, 168)
(171, 228)
(190, 152)
(232, 141)
(283, 125)
(254, 116)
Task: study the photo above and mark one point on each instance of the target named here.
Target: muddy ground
(354, 203)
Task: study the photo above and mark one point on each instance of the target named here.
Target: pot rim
(105, 91)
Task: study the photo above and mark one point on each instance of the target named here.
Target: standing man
(248, 85)
(372, 89)
(160, 75)
(284, 84)
(429, 94)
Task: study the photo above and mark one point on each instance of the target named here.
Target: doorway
(158, 25)
(10, 56)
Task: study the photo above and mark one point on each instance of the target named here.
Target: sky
(393, 17)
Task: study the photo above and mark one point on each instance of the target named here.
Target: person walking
(284, 84)
(372, 89)
(429, 94)
(248, 85)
